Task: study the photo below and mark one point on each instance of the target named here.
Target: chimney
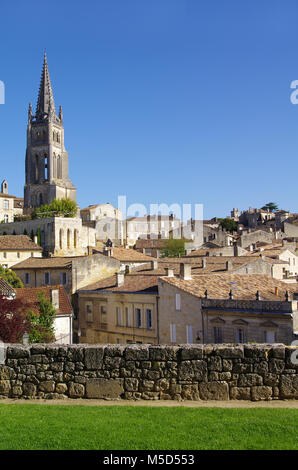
(236, 250)
(169, 272)
(204, 263)
(35, 239)
(120, 279)
(55, 298)
(187, 251)
(251, 247)
(229, 265)
(154, 264)
(90, 251)
(276, 291)
(185, 272)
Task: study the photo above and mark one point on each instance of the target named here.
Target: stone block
(240, 393)
(136, 353)
(29, 389)
(76, 390)
(214, 391)
(47, 386)
(289, 386)
(261, 393)
(103, 388)
(94, 358)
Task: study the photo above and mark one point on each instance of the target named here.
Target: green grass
(33, 427)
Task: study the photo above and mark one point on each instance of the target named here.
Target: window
(27, 278)
(89, 312)
(149, 319)
(63, 278)
(5, 204)
(103, 313)
(5, 255)
(217, 334)
(189, 334)
(173, 333)
(240, 335)
(47, 278)
(269, 336)
(178, 301)
(18, 254)
(119, 316)
(6, 219)
(138, 318)
(128, 314)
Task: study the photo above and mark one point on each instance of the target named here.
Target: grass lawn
(32, 427)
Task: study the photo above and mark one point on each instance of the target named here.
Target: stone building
(71, 272)
(106, 220)
(17, 248)
(59, 236)
(46, 158)
(119, 309)
(151, 226)
(225, 308)
(10, 206)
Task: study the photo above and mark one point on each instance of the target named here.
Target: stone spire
(45, 102)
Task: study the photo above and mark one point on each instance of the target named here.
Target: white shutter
(173, 333)
(178, 302)
(189, 334)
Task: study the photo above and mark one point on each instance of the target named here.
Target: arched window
(68, 238)
(59, 167)
(61, 239)
(36, 168)
(44, 135)
(75, 238)
(46, 170)
(37, 135)
(40, 199)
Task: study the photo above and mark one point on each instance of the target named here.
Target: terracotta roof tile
(18, 242)
(243, 286)
(29, 296)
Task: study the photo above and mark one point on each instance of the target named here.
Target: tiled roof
(40, 263)
(127, 254)
(244, 286)
(150, 243)
(137, 282)
(5, 288)
(18, 242)
(29, 296)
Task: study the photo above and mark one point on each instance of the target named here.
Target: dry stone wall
(183, 372)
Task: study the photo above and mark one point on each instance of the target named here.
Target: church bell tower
(46, 157)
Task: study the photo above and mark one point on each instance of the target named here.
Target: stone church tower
(46, 158)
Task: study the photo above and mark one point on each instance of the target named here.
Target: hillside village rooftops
(29, 296)
(244, 287)
(18, 242)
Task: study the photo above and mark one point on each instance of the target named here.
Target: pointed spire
(30, 113)
(45, 102)
(60, 114)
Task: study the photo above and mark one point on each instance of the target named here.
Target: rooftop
(29, 296)
(18, 242)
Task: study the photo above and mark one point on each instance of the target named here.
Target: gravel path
(170, 403)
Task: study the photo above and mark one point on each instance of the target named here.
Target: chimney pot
(120, 279)
(55, 298)
(185, 271)
(169, 272)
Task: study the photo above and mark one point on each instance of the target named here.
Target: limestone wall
(196, 372)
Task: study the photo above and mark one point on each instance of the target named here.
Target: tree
(64, 207)
(271, 206)
(172, 248)
(10, 276)
(229, 224)
(13, 322)
(41, 323)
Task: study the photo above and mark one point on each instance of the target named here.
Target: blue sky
(164, 101)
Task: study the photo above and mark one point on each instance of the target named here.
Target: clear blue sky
(174, 101)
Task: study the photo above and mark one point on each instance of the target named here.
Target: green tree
(271, 206)
(229, 224)
(173, 248)
(64, 207)
(10, 276)
(42, 323)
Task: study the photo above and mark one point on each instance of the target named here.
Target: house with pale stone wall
(17, 248)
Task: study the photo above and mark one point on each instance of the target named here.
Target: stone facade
(60, 236)
(213, 372)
